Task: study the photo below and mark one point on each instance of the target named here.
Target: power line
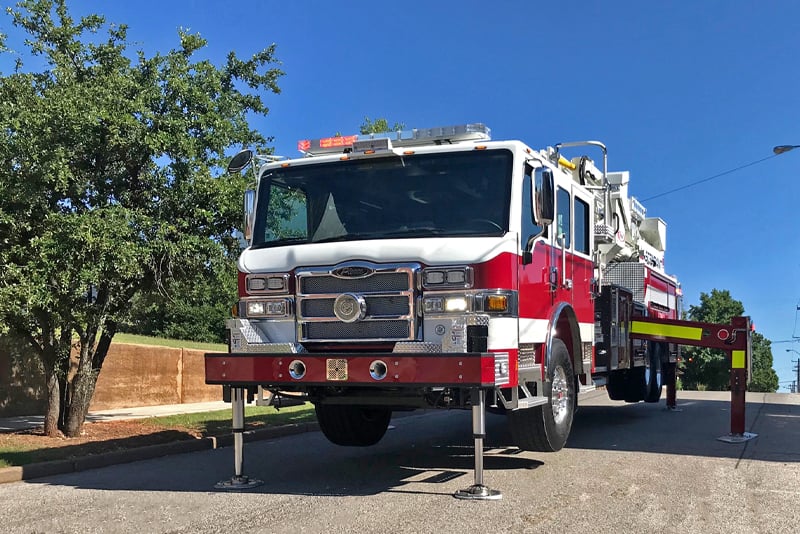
(692, 184)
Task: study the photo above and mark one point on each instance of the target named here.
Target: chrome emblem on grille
(350, 308)
(352, 271)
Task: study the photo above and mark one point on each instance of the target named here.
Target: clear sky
(679, 91)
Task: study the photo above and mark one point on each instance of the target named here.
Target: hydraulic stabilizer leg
(238, 481)
(478, 491)
(671, 379)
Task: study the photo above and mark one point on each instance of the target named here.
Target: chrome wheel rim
(559, 398)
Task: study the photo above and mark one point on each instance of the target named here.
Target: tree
(706, 368)
(111, 184)
(763, 377)
(380, 125)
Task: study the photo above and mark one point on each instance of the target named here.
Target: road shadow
(694, 429)
(424, 453)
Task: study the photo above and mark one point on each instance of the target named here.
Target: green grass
(219, 422)
(163, 342)
(167, 429)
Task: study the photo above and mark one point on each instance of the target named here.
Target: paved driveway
(627, 468)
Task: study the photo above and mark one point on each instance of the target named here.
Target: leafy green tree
(763, 378)
(709, 369)
(111, 184)
(380, 125)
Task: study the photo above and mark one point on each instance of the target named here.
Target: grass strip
(18, 449)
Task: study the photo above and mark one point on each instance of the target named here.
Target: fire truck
(438, 268)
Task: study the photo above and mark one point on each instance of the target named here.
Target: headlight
(441, 277)
(455, 304)
(442, 304)
(267, 308)
(268, 283)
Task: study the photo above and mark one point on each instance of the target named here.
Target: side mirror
(249, 212)
(240, 161)
(543, 197)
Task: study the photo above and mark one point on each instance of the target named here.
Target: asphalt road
(627, 468)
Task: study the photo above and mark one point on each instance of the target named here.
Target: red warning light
(303, 145)
(723, 334)
(339, 140)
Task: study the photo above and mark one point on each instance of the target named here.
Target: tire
(353, 426)
(653, 372)
(636, 387)
(545, 428)
(617, 385)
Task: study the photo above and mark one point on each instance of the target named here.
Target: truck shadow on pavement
(694, 429)
(432, 453)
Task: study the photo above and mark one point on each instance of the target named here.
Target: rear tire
(636, 388)
(653, 372)
(617, 385)
(353, 426)
(545, 428)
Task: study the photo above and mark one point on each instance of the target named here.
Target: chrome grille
(391, 281)
(357, 331)
(388, 292)
(376, 306)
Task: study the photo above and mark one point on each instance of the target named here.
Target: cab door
(581, 259)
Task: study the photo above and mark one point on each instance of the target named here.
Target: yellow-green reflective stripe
(737, 359)
(667, 330)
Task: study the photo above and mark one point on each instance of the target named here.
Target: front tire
(545, 428)
(353, 426)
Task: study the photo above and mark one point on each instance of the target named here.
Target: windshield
(449, 195)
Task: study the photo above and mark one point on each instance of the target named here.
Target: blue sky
(679, 91)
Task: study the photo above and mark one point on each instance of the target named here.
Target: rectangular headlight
(256, 284)
(433, 305)
(456, 277)
(455, 304)
(255, 308)
(433, 277)
(445, 304)
(267, 308)
(460, 277)
(276, 283)
(268, 283)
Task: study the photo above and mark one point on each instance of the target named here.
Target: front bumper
(280, 370)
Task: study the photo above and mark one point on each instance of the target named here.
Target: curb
(96, 461)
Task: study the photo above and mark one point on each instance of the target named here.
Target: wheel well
(567, 330)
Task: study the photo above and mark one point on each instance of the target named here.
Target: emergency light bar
(386, 141)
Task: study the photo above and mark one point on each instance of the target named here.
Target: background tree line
(709, 369)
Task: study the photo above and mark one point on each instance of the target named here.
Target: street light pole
(780, 149)
(796, 369)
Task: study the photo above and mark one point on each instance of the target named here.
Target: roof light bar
(362, 143)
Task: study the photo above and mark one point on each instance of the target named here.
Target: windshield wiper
(411, 232)
(281, 242)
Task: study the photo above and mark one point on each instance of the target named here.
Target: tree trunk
(51, 417)
(82, 391)
(85, 380)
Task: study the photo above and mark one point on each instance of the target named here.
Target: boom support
(734, 339)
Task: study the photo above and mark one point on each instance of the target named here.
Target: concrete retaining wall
(132, 375)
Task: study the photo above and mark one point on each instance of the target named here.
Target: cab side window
(581, 226)
(529, 227)
(563, 206)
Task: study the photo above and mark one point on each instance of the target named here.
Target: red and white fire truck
(437, 268)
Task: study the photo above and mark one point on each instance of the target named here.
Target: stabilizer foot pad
(238, 483)
(478, 492)
(738, 438)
